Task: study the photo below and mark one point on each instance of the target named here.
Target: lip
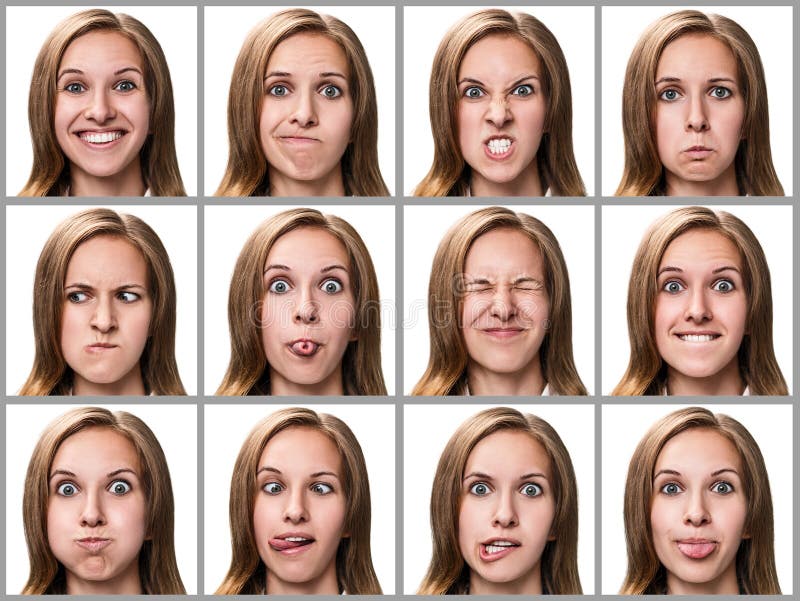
(304, 347)
(698, 151)
(499, 156)
(99, 347)
(696, 548)
(297, 140)
(93, 544)
(698, 337)
(280, 544)
(503, 333)
(102, 133)
(508, 545)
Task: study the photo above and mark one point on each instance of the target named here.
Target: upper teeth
(697, 337)
(499, 145)
(106, 136)
(295, 539)
(498, 546)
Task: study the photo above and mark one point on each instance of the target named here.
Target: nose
(696, 511)
(307, 309)
(498, 113)
(698, 309)
(505, 513)
(104, 316)
(100, 108)
(503, 306)
(697, 119)
(304, 111)
(295, 510)
(92, 511)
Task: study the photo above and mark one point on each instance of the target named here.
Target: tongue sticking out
(281, 544)
(697, 550)
(304, 348)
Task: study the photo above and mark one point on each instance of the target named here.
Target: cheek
(534, 309)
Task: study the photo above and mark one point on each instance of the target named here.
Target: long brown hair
(50, 171)
(447, 366)
(643, 174)
(449, 174)
(354, 571)
(247, 173)
(158, 568)
(248, 370)
(646, 373)
(50, 373)
(755, 559)
(448, 573)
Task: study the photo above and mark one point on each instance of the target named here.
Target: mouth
(503, 332)
(696, 548)
(698, 152)
(100, 138)
(499, 147)
(698, 337)
(99, 347)
(304, 347)
(93, 544)
(291, 544)
(297, 139)
(496, 549)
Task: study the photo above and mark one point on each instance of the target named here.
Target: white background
(25, 424)
(573, 227)
(175, 28)
(229, 227)
(623, 428)
(573, 27)
(623, 230)
(771, 30)
(427, 428)
(226, 29)
(227, 427)
(27, 230)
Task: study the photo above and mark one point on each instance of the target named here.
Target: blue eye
(332, 286)
(119, 487)
(125, 86)
(671, 488)
(67, 489)
(721, 92)
(723, 286)
(673, 287)
(322, 488)
(723, 488)
(77, 297)
(279, 90)
(473, 92)
(480, 489)
(279, 286)
(75, 88)
(331, 91)
(531, 490)
(273, 488)
(128, 297)
(669, 95)
(523, 90)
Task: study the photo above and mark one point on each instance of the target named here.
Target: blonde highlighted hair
(755, 559)
(50, 172)
(248, 369)
(646, 373)
(50, 373)
(446, 373)
(247, 574)
(247, 173)
(158, 568)
(643, 174)
(448, 573)
(449, 174)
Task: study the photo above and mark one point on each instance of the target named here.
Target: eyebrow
(82, 286)
(671, 79)
(322, 74)
(275, 470)
(79, 72)
(485, 476)
(110, 474)
(670, 268)
(516, 83)
(323, 270)
(714, 474)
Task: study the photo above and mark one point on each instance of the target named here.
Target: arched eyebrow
(79, 72)
(275, 470)
(671, 79)
(111, 474)
(671, 268)
(713, 474)
(325, 269)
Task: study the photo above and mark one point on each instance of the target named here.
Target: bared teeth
(499, 145)
(102, 137)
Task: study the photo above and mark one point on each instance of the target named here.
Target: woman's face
(698, 512)
(299, 511)
(701, 306)
(308, 312)
(105, 320)
(307, 111)
(501, 110)
(96, 511)
(102, 110)
(699, 112)
(506, 307)
(506, 513)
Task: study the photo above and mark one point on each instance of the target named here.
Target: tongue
(280, 544)
(696, 550)
(305, 348)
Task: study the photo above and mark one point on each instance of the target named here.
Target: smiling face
(306, 116)
(102, 110)
(506, 306)
(699, 115)
(105, 321)
(308, 312)
(96, 512)
(701, 312)
(506, 513)
(300, 511)
(500, 116)
(698, 512)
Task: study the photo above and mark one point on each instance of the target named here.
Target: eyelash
(711, 92)
(79, 297)
(70, 87)
(714, 286)
(731, 488)
(538, 491)
(280, 280)
(530, 91)
(325, 486)
(338, 92)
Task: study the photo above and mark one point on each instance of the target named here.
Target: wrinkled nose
(503, 306)
(498, 113)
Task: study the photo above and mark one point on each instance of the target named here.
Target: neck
(127, 583)
(724, 185)
(528, 584)
(526, 183)
(332, 385)
(325, 584)
(330, 184)
(130, 384)
(724, 584)
(128, 182)
(728, 382)
(529, 381)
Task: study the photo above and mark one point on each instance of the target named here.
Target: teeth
(696, 337)
(499, 545)
(295, 539)
(101, 138)
(499, 146)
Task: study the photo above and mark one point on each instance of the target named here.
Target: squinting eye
(125, 86)
(74, 88)
(721, 92)
(523, 90)
(669, 95)
(119, 487)
(279, 286)
(272, 488)
(331, 91)
(723, 488)
(77, 297)
(322, 488)
(480, 489)
(473, 92)
(723, 286)
(670, 488)
(67, 489)
(531, 490)
(673, 287)
(332, 286)
(279, 90)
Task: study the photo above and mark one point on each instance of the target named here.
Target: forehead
(508, 452)
(698, 449)
(96, 449)
(101, 47)
(504, 249)
(499, 54)
(308, 52)
(301, 449)
(696, 55)
(107, 255)
(306, 244)
(701, 246)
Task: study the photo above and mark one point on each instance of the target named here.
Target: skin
(300, 494)
(501, 97)
(506, 496)
(101, 88)
(308, 306)
(700, 105)
(96, 493)
(698, 505)
(105, 321)
(505, 313)
(701, 292)
(306, 116)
